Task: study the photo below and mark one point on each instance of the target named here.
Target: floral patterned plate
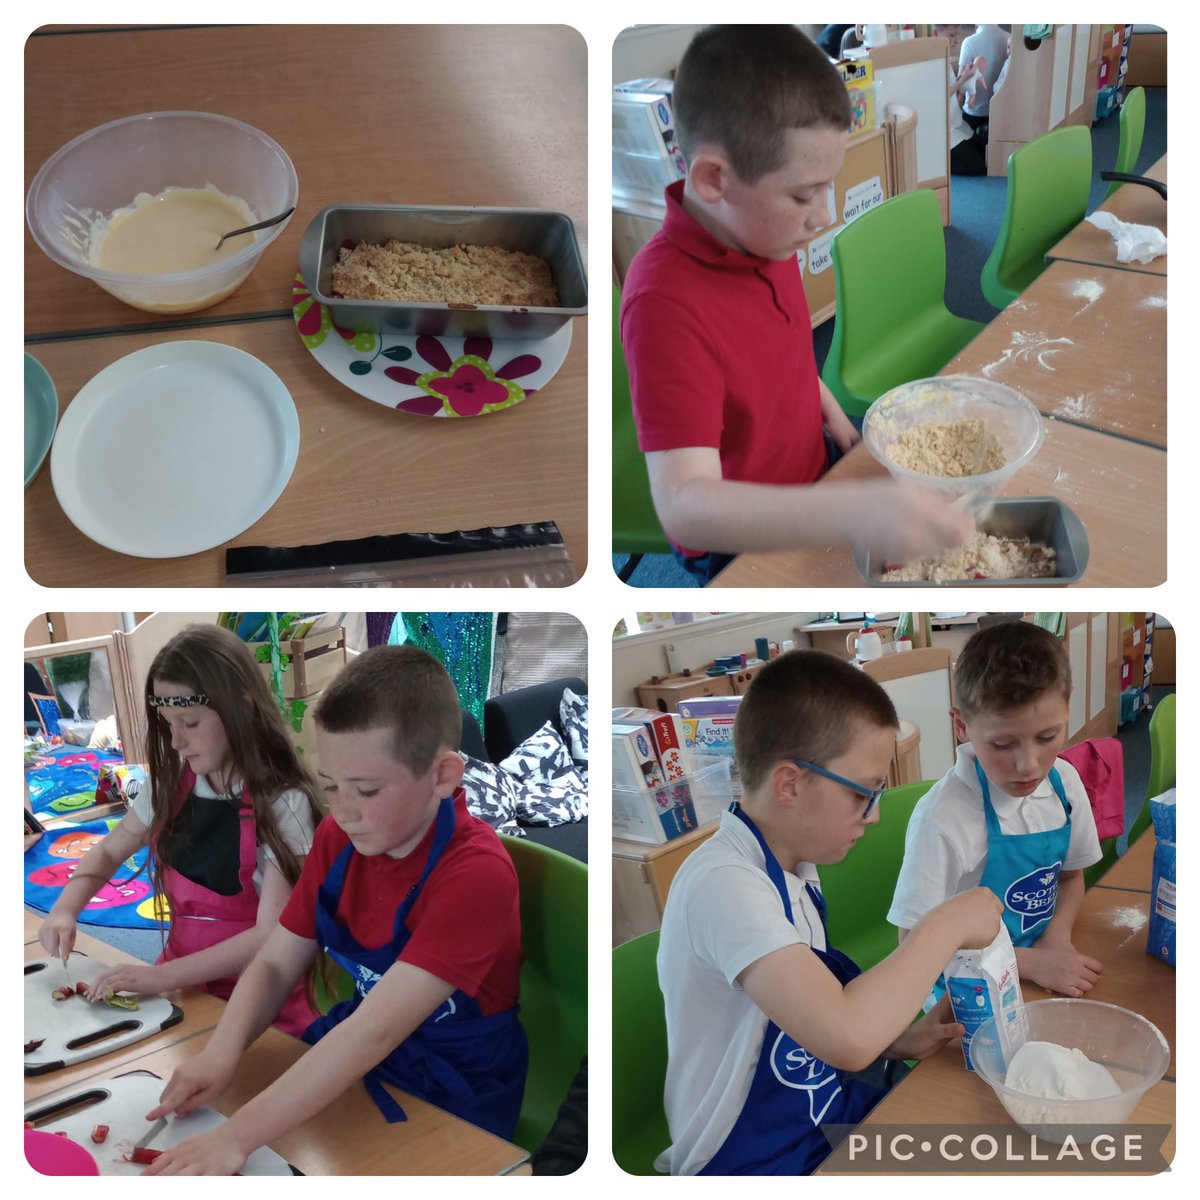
(430, 376)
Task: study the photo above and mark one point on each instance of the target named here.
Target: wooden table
(940, 1091)
(1131, 202)
(350, 1136)
(1117, 488)
(1087, 346)
(201, 1012)
(1132, 872)
(384, 114)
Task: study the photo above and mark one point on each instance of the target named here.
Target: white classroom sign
(820, 252)
(862, 197)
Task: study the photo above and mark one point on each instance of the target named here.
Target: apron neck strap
(989, 811)
(443, 831)
(774, 870)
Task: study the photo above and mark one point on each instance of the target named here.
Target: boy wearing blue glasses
(765, 1019)
(1010, 815)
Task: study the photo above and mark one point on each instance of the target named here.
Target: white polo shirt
(722, 914)
(945, 848)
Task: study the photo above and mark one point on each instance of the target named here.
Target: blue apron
(1023, 868)
(793, 1092)
(471, 1065)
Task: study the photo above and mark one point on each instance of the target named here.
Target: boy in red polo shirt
(731, 413)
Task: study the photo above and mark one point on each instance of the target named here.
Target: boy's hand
(900, 522)
(214, 1153)
(925, 1037)
(974, 917)
(1061, 968)
(842, 430)
(196, 1082)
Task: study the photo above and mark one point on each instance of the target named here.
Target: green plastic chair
(553, 980)
(1049, 183)
(636, 530)
(1109, 853)
(858, 890)
(892, 322)
(639, 1053)
(1133, 126)
(1162, 761)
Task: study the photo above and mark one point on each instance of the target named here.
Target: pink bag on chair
(1101, 765)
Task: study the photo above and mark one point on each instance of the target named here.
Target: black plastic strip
(74, 335)
(398, 547)
(1121, 437)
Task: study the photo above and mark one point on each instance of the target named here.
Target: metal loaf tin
(549, 235)
(1041, 519)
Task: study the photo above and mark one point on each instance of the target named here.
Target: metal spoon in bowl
(261, 225)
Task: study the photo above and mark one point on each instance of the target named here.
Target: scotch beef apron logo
(1032, 896)
(796, 1067)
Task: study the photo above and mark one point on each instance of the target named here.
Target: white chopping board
(74, 1030)
(122, 1103)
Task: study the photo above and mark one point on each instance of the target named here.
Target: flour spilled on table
(1155, 301)
(1026, 346)
(1088, 289)
(1076, 408)
(1130, 917)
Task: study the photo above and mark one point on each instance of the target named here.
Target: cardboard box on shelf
(666, 738)
(635, 766)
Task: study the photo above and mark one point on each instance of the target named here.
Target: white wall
(637, 657)
(654, 51)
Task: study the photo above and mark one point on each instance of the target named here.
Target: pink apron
(201, 917)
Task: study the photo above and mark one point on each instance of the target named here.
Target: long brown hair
(216, 663)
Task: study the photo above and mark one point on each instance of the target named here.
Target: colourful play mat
(62, 779)
(125, 902)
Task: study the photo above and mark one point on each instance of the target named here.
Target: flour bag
(1161, 935)
(984, 983)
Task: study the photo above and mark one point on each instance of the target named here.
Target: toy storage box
(659, 814)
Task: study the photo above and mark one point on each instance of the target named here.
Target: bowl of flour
(1081, 1072)
(964, 435)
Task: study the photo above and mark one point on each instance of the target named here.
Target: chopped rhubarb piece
(30, 1047)
(142, 1154)
(81, 988)
(99, 1134)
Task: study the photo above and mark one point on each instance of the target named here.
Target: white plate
(175, 449)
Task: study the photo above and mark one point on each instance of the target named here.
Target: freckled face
(784, 210)
(382, 807)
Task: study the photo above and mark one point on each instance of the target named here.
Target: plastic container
(1129, 1047)
(659, 814)
(104, 169)
(1016, 423)
(75, 732)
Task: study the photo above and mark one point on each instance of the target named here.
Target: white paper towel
(1142, 243)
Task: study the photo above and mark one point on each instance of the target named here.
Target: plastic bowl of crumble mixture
(950, 401)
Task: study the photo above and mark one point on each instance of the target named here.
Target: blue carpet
(976, 210)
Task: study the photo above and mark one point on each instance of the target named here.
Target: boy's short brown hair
(805, 704)
(742, 87)
(399, 688)
(1010, 665)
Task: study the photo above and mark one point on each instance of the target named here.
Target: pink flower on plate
(464, 386)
